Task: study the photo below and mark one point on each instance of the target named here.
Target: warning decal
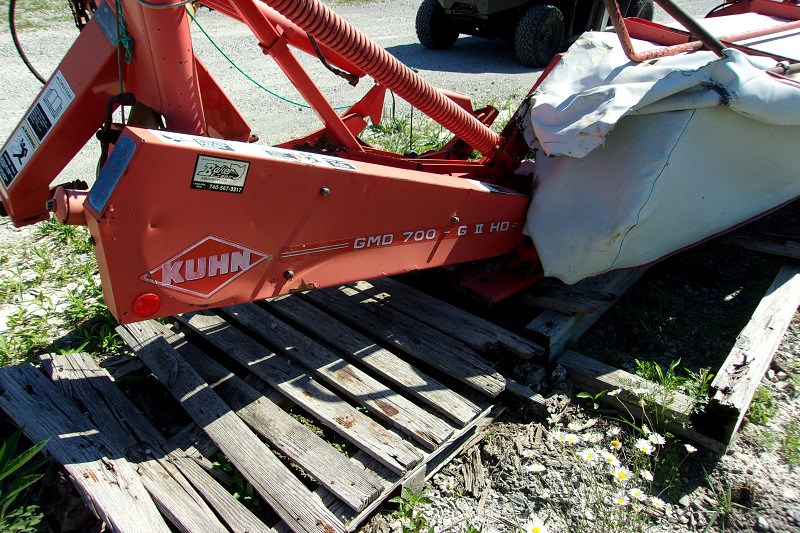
(219, 174)
(35, 127)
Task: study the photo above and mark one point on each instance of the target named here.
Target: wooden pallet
(574, 309)
(398, 376)
(403, 378)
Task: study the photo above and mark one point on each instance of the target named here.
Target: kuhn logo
(205, 268)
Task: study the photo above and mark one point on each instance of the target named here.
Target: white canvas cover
(637, 161)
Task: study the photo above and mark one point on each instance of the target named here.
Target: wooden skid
(93, 460)
(593, 376)
(740, 375)
(735, 382)
(236, 371)
(404, 380)
(559, 328)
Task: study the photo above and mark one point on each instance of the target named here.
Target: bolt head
(324, 191)
(455, 220)
(289, 274)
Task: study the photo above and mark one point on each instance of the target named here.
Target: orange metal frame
(194, 216)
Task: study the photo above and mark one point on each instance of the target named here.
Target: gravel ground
(765, 490)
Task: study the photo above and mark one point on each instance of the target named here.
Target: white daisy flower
(534, 525)
(637, 494)
(658, 503)
(646, 475)
(621, 474)
(621, 499)
(589, 455)
(644, 446)
(609, 458)
(536, 468)
(592, 437)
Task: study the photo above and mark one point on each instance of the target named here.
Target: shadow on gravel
(470, 55)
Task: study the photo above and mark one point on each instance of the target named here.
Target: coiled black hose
(12, 4)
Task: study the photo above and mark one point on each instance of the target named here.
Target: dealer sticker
(220, 174)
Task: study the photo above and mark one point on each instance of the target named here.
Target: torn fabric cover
(647, 159)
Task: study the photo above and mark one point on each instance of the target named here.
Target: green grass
(36, 14)
(49, 287)
(420, 134)
(762, 408)
(790, 445)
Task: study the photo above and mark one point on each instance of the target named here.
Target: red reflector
(146, 304)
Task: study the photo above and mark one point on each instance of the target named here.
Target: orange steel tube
(627, 45)
(317, 20)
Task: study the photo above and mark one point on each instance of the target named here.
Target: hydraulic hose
(12, 26)
(319, 21)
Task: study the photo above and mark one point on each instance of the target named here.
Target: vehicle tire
(539, 35)
(434, 29)
(642, 9)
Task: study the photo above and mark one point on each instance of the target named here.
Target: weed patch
(53, 287)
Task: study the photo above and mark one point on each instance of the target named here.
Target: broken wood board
(96, 464)
(560, 328)
(673, 407)
(80, 378)
(740, 375)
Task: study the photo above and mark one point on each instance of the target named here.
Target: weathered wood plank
(764, 244)
(411, 336)
(320, 460)
(82, 379)
(380, 360)
(594, 376)
(238, 517)
(448, 319)
(422, 426)
(536, 400)
(556, 296)
(383, 444)
(433, 463)
(739, 376)
(560, 328)
(104, 478)
(273, 481)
